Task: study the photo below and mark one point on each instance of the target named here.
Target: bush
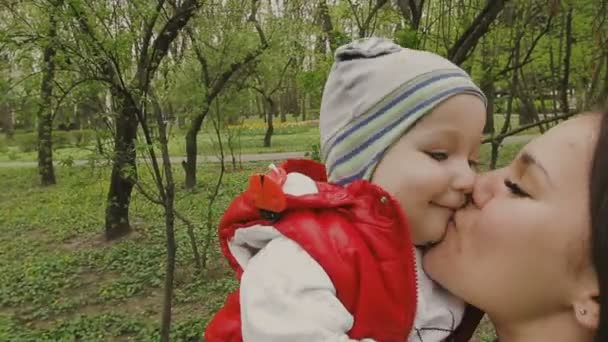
(3, 147)
(83, 137)
(62, 139)
(314, 153)
(27, 142)
(12, 155)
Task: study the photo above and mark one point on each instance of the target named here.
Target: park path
(244, 157)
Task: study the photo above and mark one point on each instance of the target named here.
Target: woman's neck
(560, 327)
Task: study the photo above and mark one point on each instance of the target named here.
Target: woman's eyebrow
(528, 160)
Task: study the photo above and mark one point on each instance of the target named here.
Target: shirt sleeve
(286, 296)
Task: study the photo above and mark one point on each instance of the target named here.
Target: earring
(583, 312)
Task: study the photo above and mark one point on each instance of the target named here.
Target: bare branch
(147, 195)
(467, 42)
(499, 138)
(166, 36)
(355, 14)
(200, 56)
(24, 79)
(190, 227)
(255, 4)
(371, 15)
(527, 58)
(67, 92)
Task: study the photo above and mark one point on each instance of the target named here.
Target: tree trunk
(592, 95)
(527, 109)
(192, 147)
(45, 148)
(124, 172)
(327, 26)
(181, 121)
(191, 156)
(269, 125)
(411, 11)
(487, 86)
(604, 94)
(303, 107)
(554, 77)
(259, 101)
(170, 269)
(6, 119)
(567, 57)
(169, 202)
(45, 112)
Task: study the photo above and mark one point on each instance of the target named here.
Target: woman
(532, 250)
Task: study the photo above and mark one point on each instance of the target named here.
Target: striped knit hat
(375, 92)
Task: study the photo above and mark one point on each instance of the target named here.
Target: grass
(291, 136)
(251, 142)
(60, 281)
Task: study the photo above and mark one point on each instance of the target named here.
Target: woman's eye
(515, 189)
(438, 156)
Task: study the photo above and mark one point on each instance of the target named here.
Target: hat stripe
(389, 101)
(351, 159)
(367, 170)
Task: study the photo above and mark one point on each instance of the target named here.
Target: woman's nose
(485, 187)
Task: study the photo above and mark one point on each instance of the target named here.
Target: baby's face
(430, 170)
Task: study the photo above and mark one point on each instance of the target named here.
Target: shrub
(61, 139)
(27, 142)
(82, 137)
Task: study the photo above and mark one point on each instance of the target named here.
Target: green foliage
(69, 284)
(82, 138)
(61, 139)
(27, 142)
(314, 153)
(408, 38)
(3, 147)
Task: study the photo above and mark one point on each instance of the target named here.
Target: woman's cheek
(490, 232)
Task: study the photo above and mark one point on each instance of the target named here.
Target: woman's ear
(587, 310)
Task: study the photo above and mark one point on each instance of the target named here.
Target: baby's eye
(438, 156)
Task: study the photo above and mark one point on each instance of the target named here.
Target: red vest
(358, 234)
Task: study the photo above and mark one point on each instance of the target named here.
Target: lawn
(59, 281)
(248, 138)
(291, 136)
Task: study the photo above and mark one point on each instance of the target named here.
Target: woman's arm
(285, 295)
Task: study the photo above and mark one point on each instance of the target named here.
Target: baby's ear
(366, 48)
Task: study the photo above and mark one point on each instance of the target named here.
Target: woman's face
(522, 248)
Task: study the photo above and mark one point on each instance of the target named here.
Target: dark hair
(598, 189)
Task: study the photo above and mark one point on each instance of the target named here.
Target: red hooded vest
(359, 235)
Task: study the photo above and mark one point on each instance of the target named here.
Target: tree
(112, 65)
(565, 84)
(45, 113)
(133, 98)
(365, 18)
(268, 91)
(215, 82)
(467, 42)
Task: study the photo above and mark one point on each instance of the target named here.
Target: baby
(334, 254)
